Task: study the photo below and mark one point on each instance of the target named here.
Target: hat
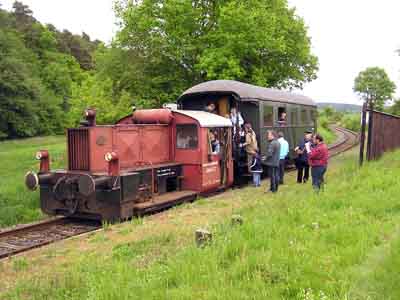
(308, 131)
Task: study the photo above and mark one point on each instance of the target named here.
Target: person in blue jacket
(282, 155)
(303, 169)
(256, 169)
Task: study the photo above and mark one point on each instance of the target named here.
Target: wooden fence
(383, 133)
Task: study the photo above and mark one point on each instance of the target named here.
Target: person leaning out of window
(215, 144)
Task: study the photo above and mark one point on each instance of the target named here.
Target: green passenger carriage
(260, 106)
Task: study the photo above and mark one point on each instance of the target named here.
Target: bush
(351, 121)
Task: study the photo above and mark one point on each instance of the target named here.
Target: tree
(374, 87)
(180, 43)
(395, 108)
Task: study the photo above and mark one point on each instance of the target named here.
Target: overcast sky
(347, 36)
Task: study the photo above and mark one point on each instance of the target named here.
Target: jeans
(317, 174)
(303, 171)
(281, 170)
(274, 178)
(257, 178)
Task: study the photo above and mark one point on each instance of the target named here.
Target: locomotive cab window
(282, 116)
(186, 136)
(268, 115)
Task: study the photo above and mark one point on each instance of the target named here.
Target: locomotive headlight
(42, 154)
(110, 156)
(38, 155)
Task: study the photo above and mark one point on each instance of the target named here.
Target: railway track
(26, 237)
(35, 235)
(347, 140)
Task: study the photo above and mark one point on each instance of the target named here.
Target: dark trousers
(281, 170)
(317, 174)
(274, 178)
(303, 171)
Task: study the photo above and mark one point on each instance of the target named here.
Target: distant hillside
(341, 106)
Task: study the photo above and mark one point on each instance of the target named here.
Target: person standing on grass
(256, 169)
(318, 159)
(282, 156)
(272, 160)
(303, 169)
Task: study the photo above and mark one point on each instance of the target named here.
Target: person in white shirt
(236, 118)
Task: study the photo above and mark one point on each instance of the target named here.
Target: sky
(347, 36)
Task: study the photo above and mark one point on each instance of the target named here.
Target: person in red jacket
(318, 160)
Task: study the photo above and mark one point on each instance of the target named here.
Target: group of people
(311, 152)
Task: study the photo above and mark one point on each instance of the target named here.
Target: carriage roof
(246, 92)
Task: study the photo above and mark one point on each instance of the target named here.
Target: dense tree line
(39, 67)
(48, 77)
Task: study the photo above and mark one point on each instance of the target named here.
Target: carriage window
(304, 116)
(294, 116)
(186, 136)
(268, 115)
(282, 117)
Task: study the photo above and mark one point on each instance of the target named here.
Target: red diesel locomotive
(148, 161)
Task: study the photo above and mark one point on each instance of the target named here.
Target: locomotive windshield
(186, 136)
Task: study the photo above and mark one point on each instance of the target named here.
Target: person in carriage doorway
(282, 155)
(250, 144)
(211, 108)
(256, 169)
(303, 169)
(236, 119)
(318, 157)
(272, 160)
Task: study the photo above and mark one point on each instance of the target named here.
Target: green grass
(340, 244)
(17, 204)
(328, 135)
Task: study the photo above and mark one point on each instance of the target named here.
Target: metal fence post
(362, 136)
(370, 133)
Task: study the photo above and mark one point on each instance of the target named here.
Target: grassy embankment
(17, 204)
(341, 244)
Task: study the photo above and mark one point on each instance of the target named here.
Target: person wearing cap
(318, 157)
(303, 168)
(282, 155)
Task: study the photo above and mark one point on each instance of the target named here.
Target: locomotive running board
(164, 201)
